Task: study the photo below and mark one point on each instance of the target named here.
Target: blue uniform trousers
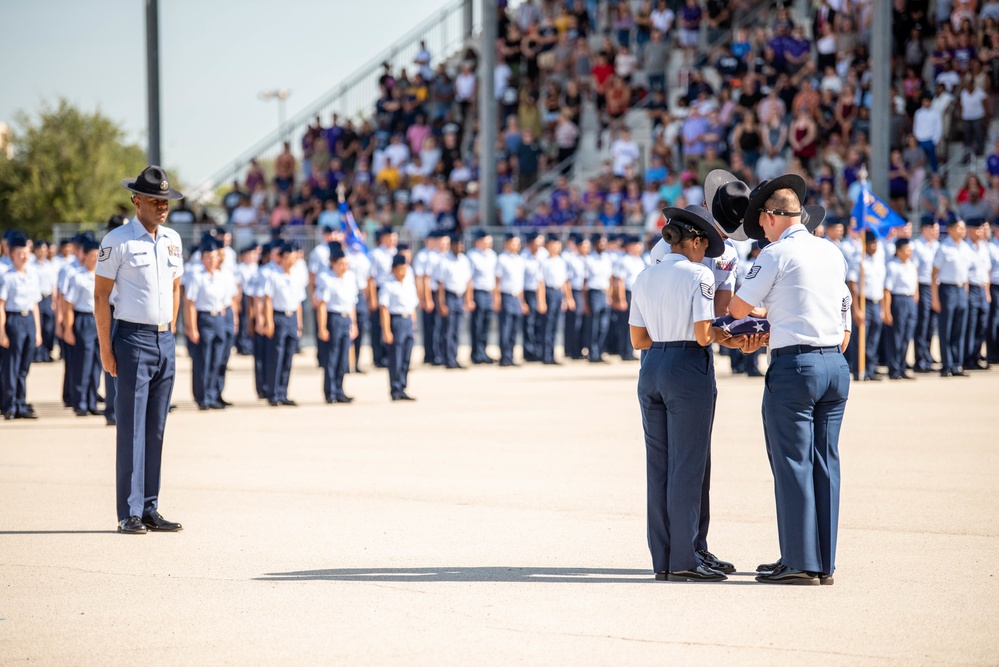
(229, 340)
(146, 371)
(675, 388)
(509, 321)
(68, 394)
(978, 325)
(431, 338)
(926, 324)
(553, 301)
(244, 343)
(600, 322)
(322, 347)
(207, 359)
(15, 362)
(704, 519)
(624, 331)
(44, 353)
(399, 353)
(532, 343)
(899, 334)
(953, 318)
(110, 383)
(803, 406)
(482, 322)
(872, 314)
(361, 315)
(86, 362)
(452, 327)
(378, 352)
(337, 360)
(574, 327)
(259, 356)
(279, 353)
(612, 343)
(992, 336)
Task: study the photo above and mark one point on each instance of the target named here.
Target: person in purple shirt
(609, 215)
(564, 213)
(543, 216)
(693, 130)
(797, 50)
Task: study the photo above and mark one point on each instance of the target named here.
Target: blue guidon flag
(352, 234)
(743, 327)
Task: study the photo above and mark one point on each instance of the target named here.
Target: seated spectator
(419, 222)
(770, 165)
(507, 203)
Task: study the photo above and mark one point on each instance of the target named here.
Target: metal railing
(444, 32)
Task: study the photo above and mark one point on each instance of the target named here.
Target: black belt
(804, 349)
(902, 296)
(689, 344)
(18, 313)
(338, 314)
(82, 312)
(454, 294)
(213, 313)
(400, 315)
(158, 328)
(286, 313)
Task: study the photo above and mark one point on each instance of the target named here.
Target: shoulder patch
(708, 291)
(104, 254)
(847, 302)
(753, 272)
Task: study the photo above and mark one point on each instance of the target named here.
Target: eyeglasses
(786, 214)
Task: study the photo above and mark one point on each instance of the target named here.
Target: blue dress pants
(399, 354)
(47, 316)
(244, 343)
(624, 332)
(207, 359)
(337, 361)
(978, 325)
(15, 362)
(992, 336)
(431, 338)
(452, 327)
(533, 328)
(953, 318)
(146, 372)
(600, 322)
(481, 323)
(110, 383)
(228, 342)
(361, 315)
(553, 301)
(509, 323)
(926, 325)
(281, 349)
(899, 334)
(675, 390)
(803, 406)
(378, 352)
(86, 362)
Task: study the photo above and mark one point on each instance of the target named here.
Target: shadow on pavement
(545, 575)
(57, 532)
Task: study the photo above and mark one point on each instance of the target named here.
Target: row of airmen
(916, 288)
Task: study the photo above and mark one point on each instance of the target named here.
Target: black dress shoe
(224, 403)
(330, 401)
(454, 367)
(712, 561)
(80, 413)
(946, 374)
(662, 576)
(155, 521)
(203, 407)
(216, 406)
(404, 397)
(173, 406)
(961, 374)
(112, 421)
(768, 567)
(922, 369)
(132, 526)
(788, 575)
(873, 378)
(699, 573)
(274, 404)
(95, 412)
(288, 402)
(344, 398)
(27, 414)
(9, 416)
(826, 579)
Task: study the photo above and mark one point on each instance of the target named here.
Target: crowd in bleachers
(756, 91)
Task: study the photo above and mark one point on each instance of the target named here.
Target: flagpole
(862, 325)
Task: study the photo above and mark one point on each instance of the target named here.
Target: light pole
(280, 95)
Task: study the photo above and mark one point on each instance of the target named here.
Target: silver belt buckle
(25, 313)
(160, 328)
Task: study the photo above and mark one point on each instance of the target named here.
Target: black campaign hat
(152, 182)
(727, 198)
(759, 196)
(700, 219)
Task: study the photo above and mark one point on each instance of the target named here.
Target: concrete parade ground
(498, 520)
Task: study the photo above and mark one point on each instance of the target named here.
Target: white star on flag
(758, 326)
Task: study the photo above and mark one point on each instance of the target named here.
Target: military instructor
(143, 262)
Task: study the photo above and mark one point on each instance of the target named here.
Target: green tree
(66, 167)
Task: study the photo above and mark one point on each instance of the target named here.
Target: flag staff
(862, 325)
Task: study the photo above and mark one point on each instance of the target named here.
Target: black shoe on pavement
(132, 526)
(155, 521)
(712, 561)
(788, 575)
(699, 573)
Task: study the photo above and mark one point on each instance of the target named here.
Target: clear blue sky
(215, 57)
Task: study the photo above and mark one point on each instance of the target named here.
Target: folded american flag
(743, 327)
